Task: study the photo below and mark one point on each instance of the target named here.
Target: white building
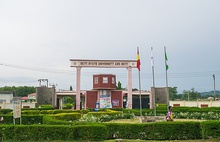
(6, 97)
(32, 96)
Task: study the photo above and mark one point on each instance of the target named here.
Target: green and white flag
(166, 59)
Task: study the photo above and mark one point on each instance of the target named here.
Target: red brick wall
(102, 85)
(117, 95)
(91, 98)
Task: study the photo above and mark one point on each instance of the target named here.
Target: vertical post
(214, 86)
(61, 103)
(188, 95)
(140, 95)
(20, 112)
(166, 68)
(154, 96)
(78, 75)
(129, 99)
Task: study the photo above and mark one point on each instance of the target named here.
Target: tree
(19, 91)
(71, 88)
(173, 93)
(118, 86)
(68, 100)
(191, 94)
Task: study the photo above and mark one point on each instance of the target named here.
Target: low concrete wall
(10, 105)
(199, 104)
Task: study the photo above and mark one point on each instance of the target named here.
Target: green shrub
(5, 111)
(155, 131)
(90, 132)
(67, 116)
(210, 129)
(46, 111)
(25, 119)
(30, 112)
(51, 132)
(52, 121)
(99, 114)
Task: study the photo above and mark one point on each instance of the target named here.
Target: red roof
(24, 98)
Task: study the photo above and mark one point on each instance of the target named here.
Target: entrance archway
(80, 63)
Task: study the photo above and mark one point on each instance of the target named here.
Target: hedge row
(62, 118)
(161, 109)
(155, 131)
(26, 119)
(49, 132)
(105, 131)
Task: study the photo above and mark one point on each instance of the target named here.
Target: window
(96, 80)
(105, 80)
(113, 80)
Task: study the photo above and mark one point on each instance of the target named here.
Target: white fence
(200, 104)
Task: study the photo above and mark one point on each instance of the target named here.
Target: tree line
(191, 94)
(19, 91)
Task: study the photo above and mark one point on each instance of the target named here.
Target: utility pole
(214, 86)
(188, 95)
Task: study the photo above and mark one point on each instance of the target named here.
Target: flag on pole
(138, 60)
(166, 59)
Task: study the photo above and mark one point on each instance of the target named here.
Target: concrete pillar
(78, 75)
(129, 97)
(4, 105)
(61, 102)
(85, 101)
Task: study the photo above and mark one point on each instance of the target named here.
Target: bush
(155, 131)
(210, 129)
(25, 119)
(50, 132)
(51, 121)
(6, 111)
(67, 116)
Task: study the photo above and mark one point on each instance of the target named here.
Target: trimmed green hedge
(210, 129)
(99, 114)
(49, 132)
(67, 116)
(52, 121)
(26, 119)
(103, 131)
(50, 111)
(155, 131)
(5, 111)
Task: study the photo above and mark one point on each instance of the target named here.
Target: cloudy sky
(39, 37)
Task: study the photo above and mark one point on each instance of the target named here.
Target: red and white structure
(80, 63)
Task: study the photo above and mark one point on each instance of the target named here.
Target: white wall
(10, 105)
(7, 97)
(196, 103)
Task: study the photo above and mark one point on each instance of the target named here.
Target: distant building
(105, 95)
(45, 95)
(32, 96)
(6, 97)
(6, 101)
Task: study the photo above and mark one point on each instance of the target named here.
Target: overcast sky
(39, 37)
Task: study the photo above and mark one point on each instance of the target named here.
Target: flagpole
(152, 65)
(166, 68)
(140, 94)
(138, 66)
